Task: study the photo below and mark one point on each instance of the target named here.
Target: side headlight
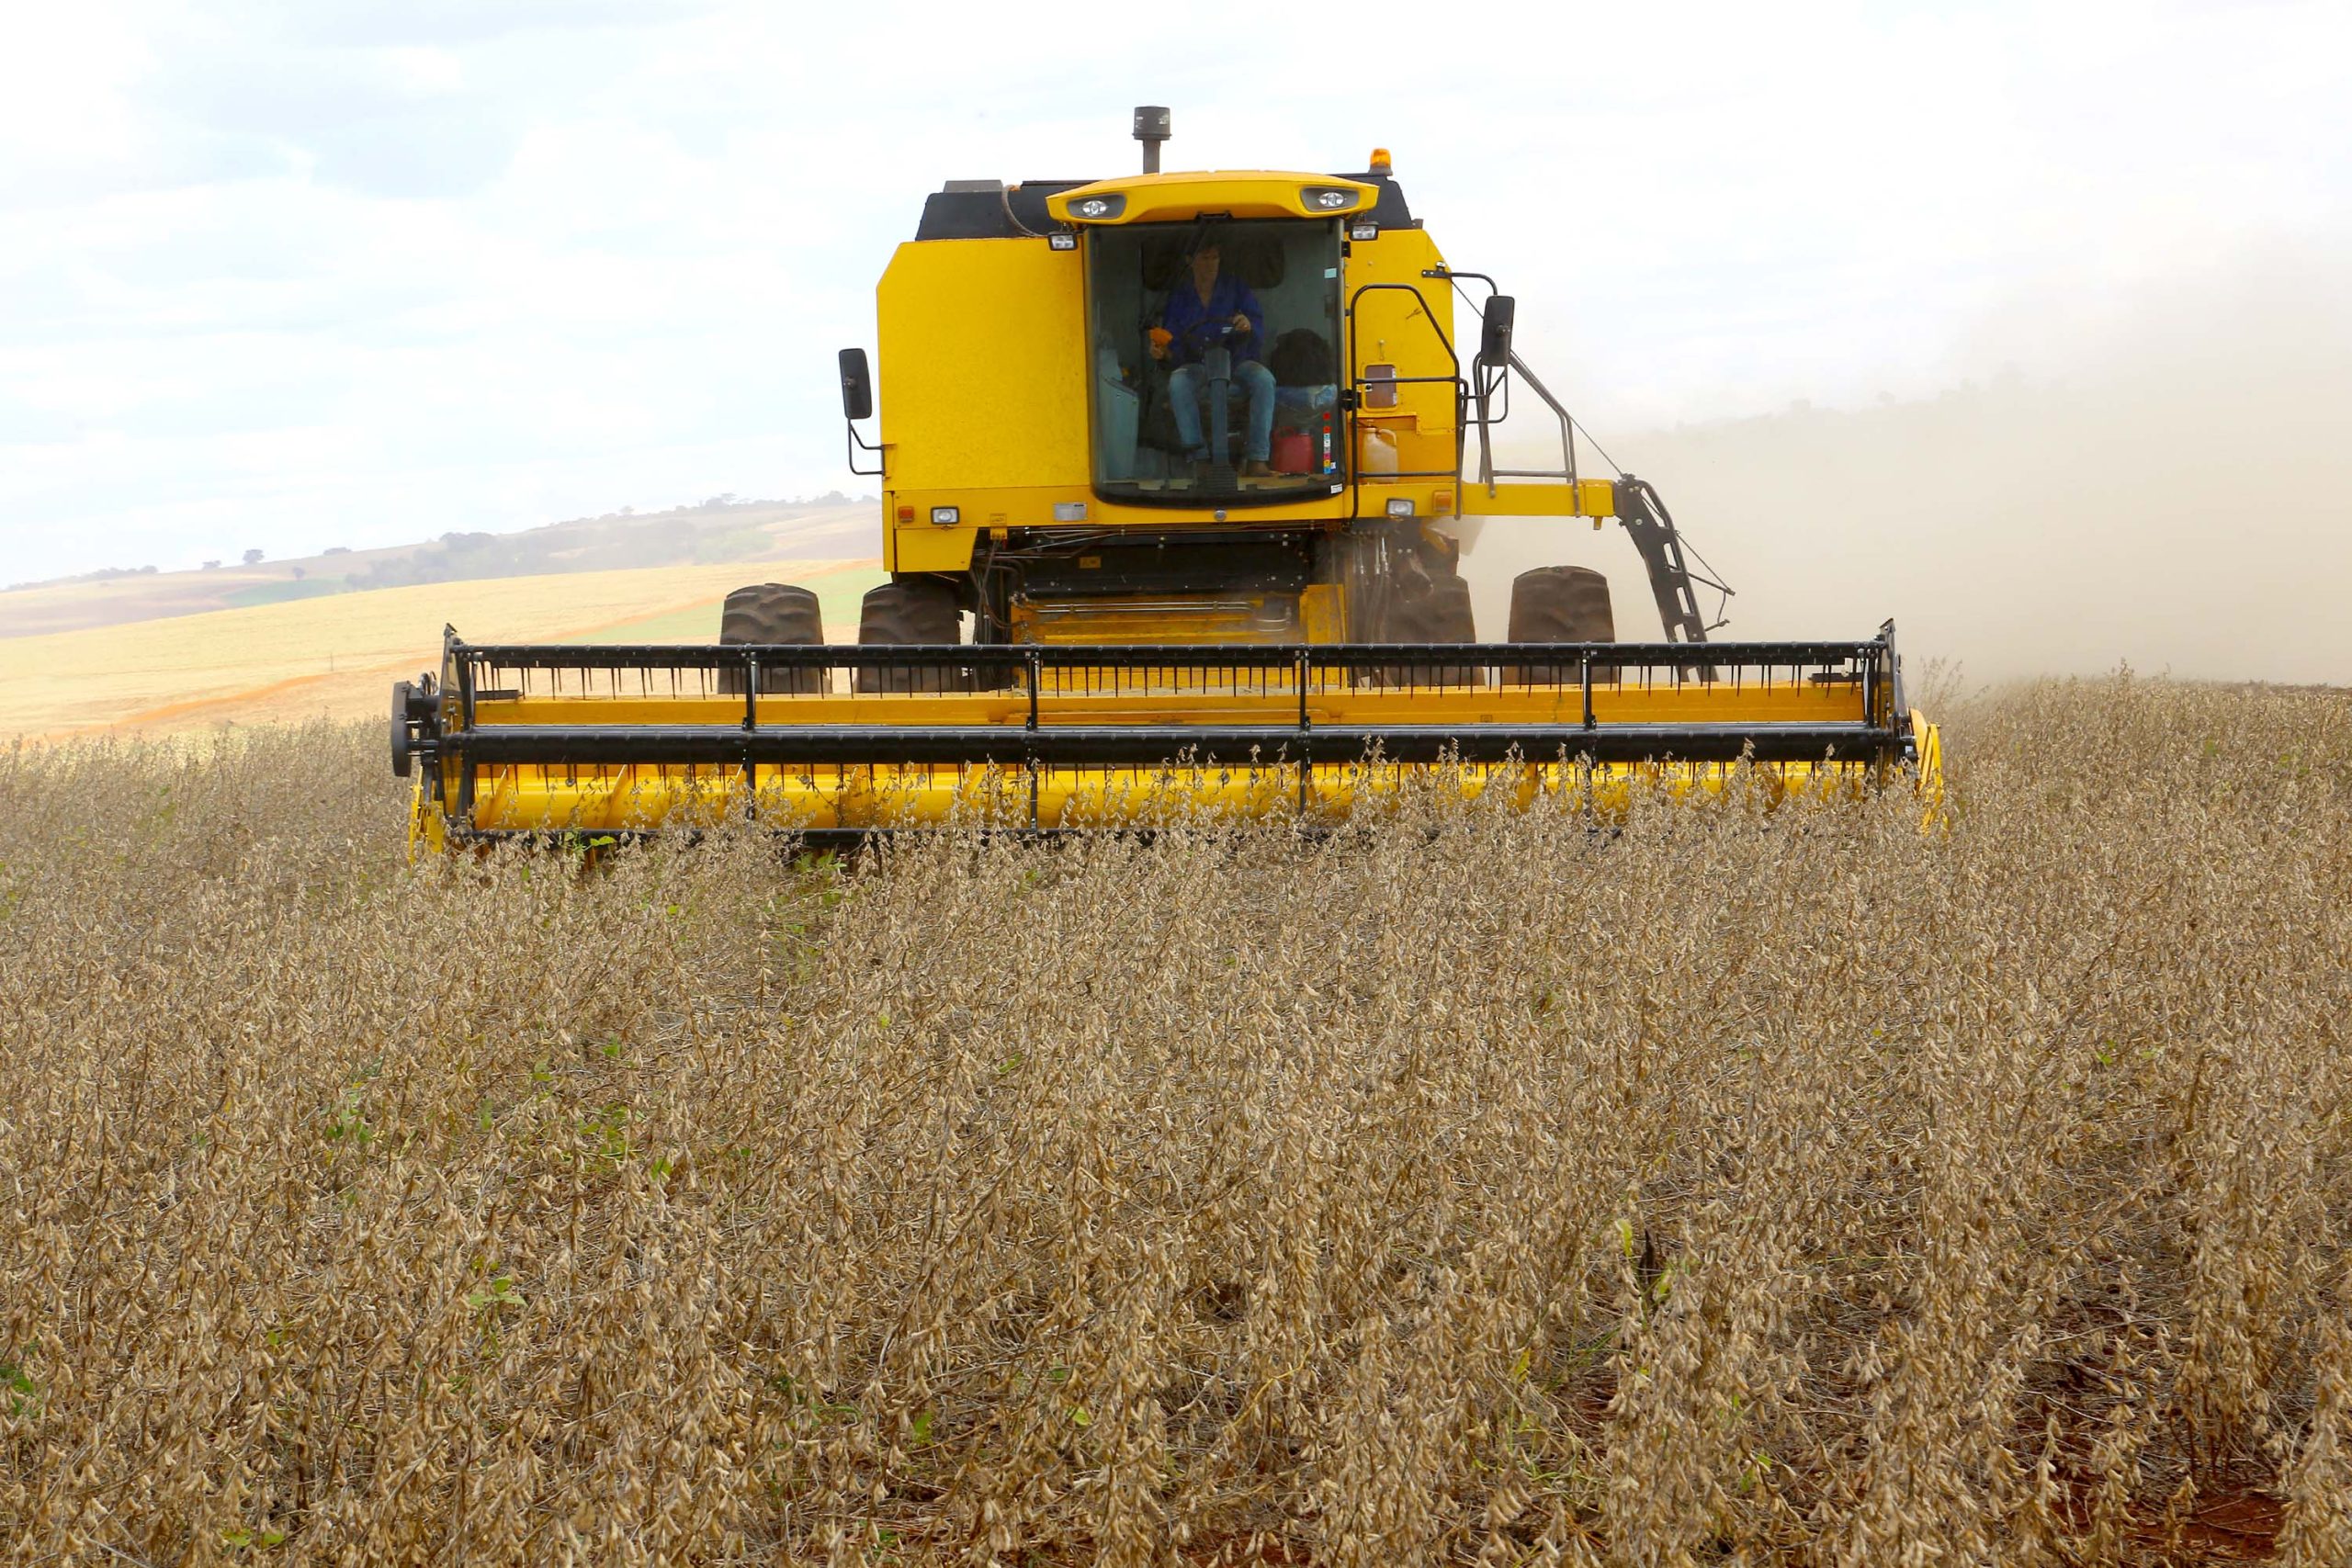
(945, 515)
(1327, 198)
(1098, 206)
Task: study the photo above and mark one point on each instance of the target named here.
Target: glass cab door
(1216, 362)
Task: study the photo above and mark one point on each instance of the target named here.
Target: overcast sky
(361, 271)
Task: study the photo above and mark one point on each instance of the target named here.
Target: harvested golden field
(337, 656)
(1733, 1188)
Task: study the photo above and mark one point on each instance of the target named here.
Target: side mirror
(1494, 347)
(857, 386)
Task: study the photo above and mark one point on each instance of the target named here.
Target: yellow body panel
(1928, 739)
(936, 549)
(1174, 696)
(986, 393)
(1586, 498)
(1405, 319)
(1135, 619)
(1177, 697)
(1237, 193)
(627, 798)
(1322, 614)
(599, 797)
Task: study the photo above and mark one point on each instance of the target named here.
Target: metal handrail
(1487, 472)
(1357, 382)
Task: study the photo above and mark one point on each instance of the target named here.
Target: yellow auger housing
(590, 741)
(1175, 479)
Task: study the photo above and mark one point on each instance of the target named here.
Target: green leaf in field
(1078, 1416)
(345, 1122)
(922, 1427)
(495, 1293)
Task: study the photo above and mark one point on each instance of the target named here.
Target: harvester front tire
(1429, 608)
(1560, 603)
(912, 612)
(772, 614)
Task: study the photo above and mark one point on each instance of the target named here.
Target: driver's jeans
(1187, 383)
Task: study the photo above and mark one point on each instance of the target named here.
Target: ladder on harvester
(1672, 583)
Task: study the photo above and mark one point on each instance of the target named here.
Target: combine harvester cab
(1175, 476)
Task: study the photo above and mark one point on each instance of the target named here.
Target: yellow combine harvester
(1173, 481)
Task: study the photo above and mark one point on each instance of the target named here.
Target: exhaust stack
(1152, 129)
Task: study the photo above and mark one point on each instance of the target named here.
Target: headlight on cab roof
(1098, 206)
(1327, 198)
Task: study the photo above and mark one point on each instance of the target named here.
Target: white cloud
(289, 276)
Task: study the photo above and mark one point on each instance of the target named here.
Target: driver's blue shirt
(1195, 323)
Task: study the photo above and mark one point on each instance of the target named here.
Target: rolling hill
(718, 532)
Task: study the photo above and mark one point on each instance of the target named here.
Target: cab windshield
(1216, 353)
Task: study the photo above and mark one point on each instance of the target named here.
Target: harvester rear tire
(912, 612)
(771, 614)
(1560, 603)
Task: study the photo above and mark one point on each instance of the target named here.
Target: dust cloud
(2163, 480)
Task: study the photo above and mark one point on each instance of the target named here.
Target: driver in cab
(1209, 309)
